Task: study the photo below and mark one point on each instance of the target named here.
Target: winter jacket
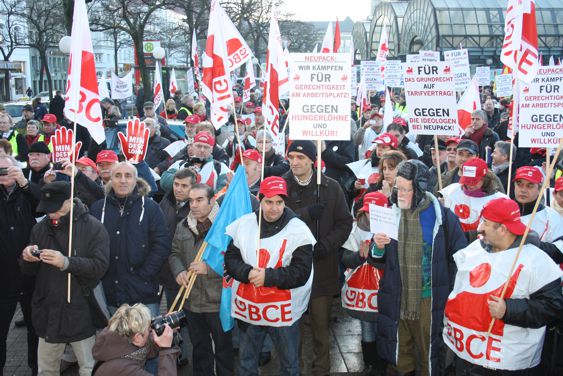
(139, 245)
(17, 218)
(54, 319)
(57, 106)
(448, 238)
(155, 150)
(275, 164)
(206, 293)
(489, 139)
(19, 145)
(333, 229)
(336, 156)
(35, 176)
(88, 190)
(112, 353)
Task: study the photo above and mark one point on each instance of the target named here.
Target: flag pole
(530, 221)
(71, 214)
(438, 167)
(514, 119)
(185, 290)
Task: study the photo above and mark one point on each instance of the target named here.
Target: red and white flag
(195, 57)
(237, 48)
(173, 83)
(337, 40)
(249, 81)
(520, 45)
(83, 102)
(362, 99)
(328, 40)
(157, 92)
(469, 102)
(383, 49)
(387, 109)
(277, 80)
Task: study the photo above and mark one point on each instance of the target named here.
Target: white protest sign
(371, 74)
(121, 87)
(430, 94)
(320, 96)
(429, 56)
(503, 85)
(413, 58)
(354, 81)
(483, 76)
(459, 61)
(541, 110)
(190, 80)
(383, 221)
(393, 73)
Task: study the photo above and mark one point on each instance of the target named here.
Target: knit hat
(304, 147)
(39, 147)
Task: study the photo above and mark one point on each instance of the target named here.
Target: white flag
(388, 110)
(383, 49)
(121, 88)
(249, 81)
(328, 40)
(173, 83)
(103, 87)
(158, 97)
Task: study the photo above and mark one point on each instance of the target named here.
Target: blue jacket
(139, 246)
(447, 239)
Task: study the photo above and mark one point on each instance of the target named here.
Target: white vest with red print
(466, 208)
(467, 319)
(269, 306)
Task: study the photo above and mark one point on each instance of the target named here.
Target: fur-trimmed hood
(142, 188)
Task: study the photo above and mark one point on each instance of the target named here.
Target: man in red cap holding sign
(272, 286)
(532, 299)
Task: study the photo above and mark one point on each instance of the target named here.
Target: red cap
(529, 173)
(204, 138)
(455, 140)
(387, 139)
(538, 151)
(559, 184)
(87, 162)
(504, 211)
(253, 155)
(249, 104)
(373, 178)
(272, 186)
(375, 198)
(473, 171)
(50, 118)
(400, 121)
(238, 99)
(376, 115)
(192, 119)
(106, 156)
(258, 110)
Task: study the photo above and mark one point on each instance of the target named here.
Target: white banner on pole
(541, 110)
(190, 81)
(121, 87)
(429, 91)
(394, 73)
(503, 85)
(483, 75)
(320, 96)
(371, 74)
(459, 61)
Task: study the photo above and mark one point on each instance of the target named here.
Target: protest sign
(121, 87)
(483, 75)
(541, 110)
(371, 74)
(353, 81)
(393, 73)
(383, 220)
(429, 91)
(61, 143)
(459, 61)
(429, 56)
(190, 80)
(503, 85)
(320, 97)
(413, 58)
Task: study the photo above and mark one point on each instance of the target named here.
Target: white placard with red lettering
(503, 85)
(383, 220)
(459, 60)
(320, 97)
(431, 97)
(372, 74)
(393, 73)
(483, 76)
(541, 110)
(481, 274)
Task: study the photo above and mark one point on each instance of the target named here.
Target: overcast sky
(328, 10)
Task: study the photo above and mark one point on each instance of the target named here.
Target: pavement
(345, 349)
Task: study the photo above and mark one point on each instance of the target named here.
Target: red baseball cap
(559, 184)
(538, 151)
(249, 104)
(192, 119)
(504, 211)
(253, 155)
(376, 115)
(387, 139)
(106, 156)
(454, 140)
(87, 162)
(273, 186)
(375, 198)
(473, 171)
(400, 121)
(238, 99)
(529, 173)
(258, 110)
(50, 118)
(205, 138)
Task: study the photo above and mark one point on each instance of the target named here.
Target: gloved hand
(316, 211)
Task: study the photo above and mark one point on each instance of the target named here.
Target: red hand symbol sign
(134, 144)
(62, 145)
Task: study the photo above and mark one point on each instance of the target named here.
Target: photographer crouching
(130, 339)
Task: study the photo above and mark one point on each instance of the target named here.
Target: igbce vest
(269, 306)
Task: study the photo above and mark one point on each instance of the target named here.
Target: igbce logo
(273, 312)
(360, 299)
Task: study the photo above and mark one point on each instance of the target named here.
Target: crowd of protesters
(137, 228)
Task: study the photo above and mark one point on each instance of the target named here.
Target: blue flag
(235, 204)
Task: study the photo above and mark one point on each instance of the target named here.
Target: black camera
(58, 166)
(3, 171)
(36, 252)
(174, 320)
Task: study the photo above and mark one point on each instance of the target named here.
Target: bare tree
(300, 36)
(12, 35)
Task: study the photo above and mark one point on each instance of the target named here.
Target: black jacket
(336, 155)
(489, 139)
(88, 190)
(57, 106)
(275, 164)
(17, 218)
(54, 319)
(155, 150)
(292, 276)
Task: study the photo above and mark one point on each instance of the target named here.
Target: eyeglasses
(450, 149)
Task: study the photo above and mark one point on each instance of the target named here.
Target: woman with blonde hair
(128, 341)
(170, 111)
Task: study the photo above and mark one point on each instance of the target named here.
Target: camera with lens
(174, 320)
(58, 166)
(36, 252)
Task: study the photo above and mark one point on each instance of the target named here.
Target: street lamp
(64, 44)
(158, 53)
